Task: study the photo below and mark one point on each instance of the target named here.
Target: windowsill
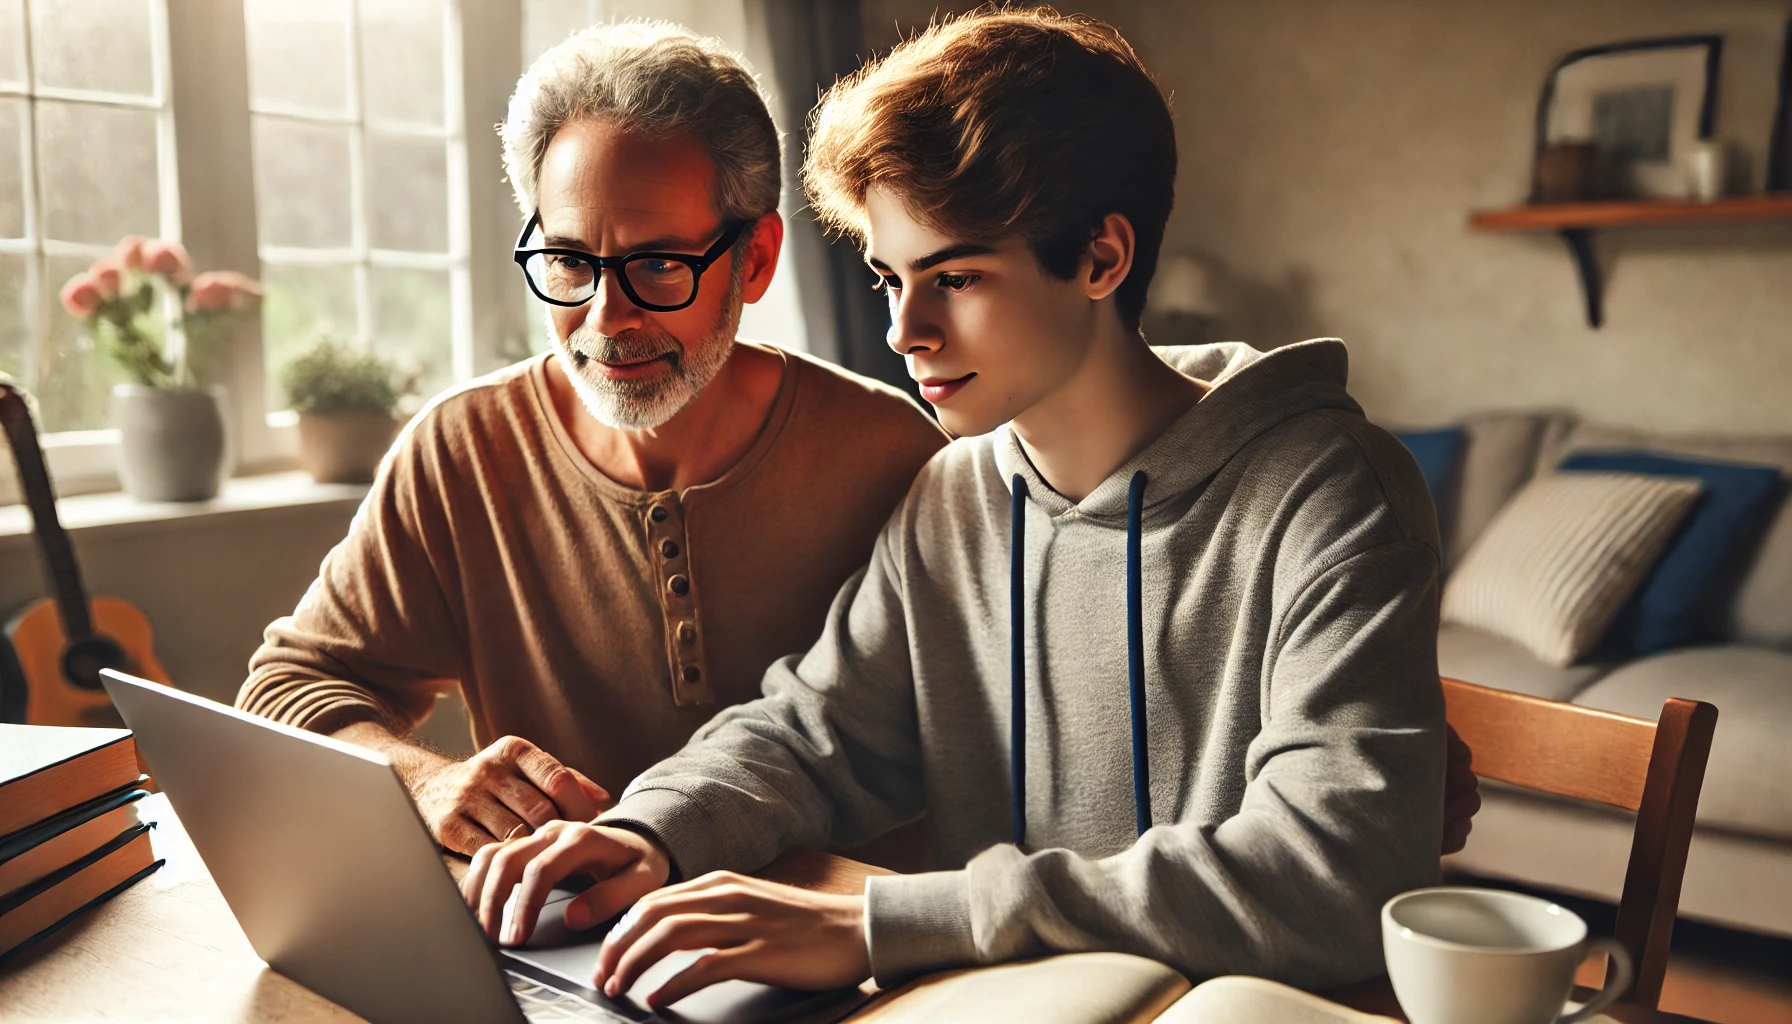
(241, 496)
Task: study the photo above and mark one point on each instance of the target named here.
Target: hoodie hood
(1252, 392)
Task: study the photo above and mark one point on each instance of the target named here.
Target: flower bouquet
(172, 437)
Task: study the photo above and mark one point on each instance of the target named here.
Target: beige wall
(209, 585)
(1332, 149)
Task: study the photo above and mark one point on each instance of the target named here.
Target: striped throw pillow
(1563, 555)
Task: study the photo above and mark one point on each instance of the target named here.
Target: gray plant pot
(172, 442)
(344, 447)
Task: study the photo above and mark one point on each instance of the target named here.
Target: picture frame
(1644, 103)
(1779, 149)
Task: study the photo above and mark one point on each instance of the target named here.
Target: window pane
(14, 328)
(97, 166)
(93, 44)
(303, 304)
(407, 193)
(12, 42)
(72, 379)
(12, 169)
(298, 53)
(301, 183)
(548, 22)
(401, 60)
(411, 318)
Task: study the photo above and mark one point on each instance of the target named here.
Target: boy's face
(986, 331)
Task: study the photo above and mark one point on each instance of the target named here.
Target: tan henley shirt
(602, 623)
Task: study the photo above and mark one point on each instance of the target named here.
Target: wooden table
(169, 949)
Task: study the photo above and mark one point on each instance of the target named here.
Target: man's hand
(1462, 797)
(627, 866)
(469, 804)
(760, 931)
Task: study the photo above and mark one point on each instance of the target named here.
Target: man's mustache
(623, 349)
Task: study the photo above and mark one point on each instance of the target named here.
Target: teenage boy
(1156, 659)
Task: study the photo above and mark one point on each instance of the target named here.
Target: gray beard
(644, 404)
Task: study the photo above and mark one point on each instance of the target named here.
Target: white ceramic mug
(1460, 955)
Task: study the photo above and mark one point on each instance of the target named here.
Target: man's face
(986, 331)
(608, 193)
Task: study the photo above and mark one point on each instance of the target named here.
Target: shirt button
(687, 633)
(669, 548)
(679, 585)
(658, 513)
(692, 673)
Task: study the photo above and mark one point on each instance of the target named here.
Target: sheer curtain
(800, 48)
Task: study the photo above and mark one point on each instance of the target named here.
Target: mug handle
(1617, 982)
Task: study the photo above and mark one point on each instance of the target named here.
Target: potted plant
(172, 440)
(346, 401)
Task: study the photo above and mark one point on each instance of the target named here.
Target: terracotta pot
(172, 442)
(345, 447)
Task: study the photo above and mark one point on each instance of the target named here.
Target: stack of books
(70, 838)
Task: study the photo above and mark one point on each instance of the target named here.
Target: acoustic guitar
(55, 647)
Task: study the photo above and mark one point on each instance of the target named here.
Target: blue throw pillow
(1436, 451)
(1682, 600)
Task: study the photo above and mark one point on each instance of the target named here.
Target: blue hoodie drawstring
(1135, 656)
(1017, 659)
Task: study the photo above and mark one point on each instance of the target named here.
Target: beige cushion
(1762, 612)
(1562, 556)
(1477, 656)
(1498, 450)
(1748, 784)
(1077, 988)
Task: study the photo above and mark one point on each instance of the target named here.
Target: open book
(1101, 988)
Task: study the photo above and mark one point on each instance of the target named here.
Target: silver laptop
(333, 876)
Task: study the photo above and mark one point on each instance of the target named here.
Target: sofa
(1739, 869)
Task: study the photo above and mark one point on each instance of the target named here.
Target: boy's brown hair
(1004, 124)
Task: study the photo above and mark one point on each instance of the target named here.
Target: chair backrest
(1654, 769)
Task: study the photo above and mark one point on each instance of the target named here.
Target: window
(340, 150)
(86, 157)
(362, 236)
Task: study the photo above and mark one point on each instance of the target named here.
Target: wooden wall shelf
(1576, 222)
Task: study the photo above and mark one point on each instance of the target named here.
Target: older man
(603, 546)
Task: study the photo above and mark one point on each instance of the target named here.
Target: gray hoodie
(1281, 777)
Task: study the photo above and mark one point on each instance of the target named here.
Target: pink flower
(80, 296)
(108, 277)
(168, 259)
(217, 290)
(129, 252)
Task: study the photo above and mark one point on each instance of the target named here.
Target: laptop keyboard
(541, 1003)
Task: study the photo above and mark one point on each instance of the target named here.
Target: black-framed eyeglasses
(657, 281)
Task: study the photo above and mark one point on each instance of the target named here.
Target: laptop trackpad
(570, 956)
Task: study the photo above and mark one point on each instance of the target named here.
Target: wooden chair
(1654, 769)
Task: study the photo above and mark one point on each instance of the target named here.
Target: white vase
(172, 441)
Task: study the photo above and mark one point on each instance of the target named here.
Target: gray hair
(658, 78)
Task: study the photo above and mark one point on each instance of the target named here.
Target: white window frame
(207, 202)
(82, 459)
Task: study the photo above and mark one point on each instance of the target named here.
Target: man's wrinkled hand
(627, 866)
(754, 930)
(1462, 796)
(510, 786)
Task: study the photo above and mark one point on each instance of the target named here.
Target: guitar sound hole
(83, 659)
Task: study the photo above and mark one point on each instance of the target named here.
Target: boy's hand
(760, 931)
(627, 866)
(1462, 797)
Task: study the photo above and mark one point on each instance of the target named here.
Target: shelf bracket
(1580, 246)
